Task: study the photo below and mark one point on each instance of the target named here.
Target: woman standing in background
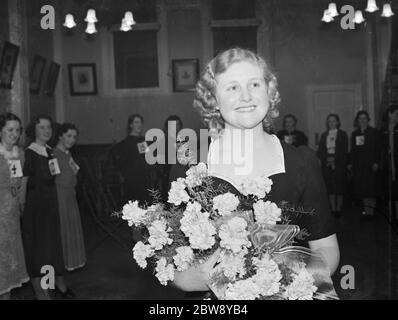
(12, 197)
(131, 163)
(290, 134)
(333, 151)
(71, 228)
(364, 162)
(40, 224)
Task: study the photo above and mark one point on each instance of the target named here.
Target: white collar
(216, 155)
(39, 149)
(13, 154)
(333, 131)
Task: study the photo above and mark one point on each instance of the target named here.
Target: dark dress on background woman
(334, 161)
(365, 152)
(386, 163)
(41, 224)
(296, 138)
(136, 172)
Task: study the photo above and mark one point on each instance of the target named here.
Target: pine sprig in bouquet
(257, 259)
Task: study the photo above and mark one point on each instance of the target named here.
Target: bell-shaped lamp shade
(327, 17)
(125, 26)
(91, 29)
(91, 16)
(333, 10)
(372, 6)
(69, 21)
(358, 19)
(128, 16)
(387, 11)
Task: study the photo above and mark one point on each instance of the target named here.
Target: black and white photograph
(170, 151)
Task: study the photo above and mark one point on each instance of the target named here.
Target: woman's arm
(197, 277)
(328, 248)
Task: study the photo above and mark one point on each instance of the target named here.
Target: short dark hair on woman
(360, 113)
(31, 129)
(337, 119)
(131, 119)
(8, 116)
(64, 128)
(172, 118)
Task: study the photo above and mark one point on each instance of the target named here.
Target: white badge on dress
(142, 147)
(15, 168)
(54, 167)
(359, 140)
(74, 166)
(289, 139)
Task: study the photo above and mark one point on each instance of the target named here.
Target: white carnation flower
(158, 234)
(183, 258)
(225, 203)
(242, 290)
(259, 186)
(234, 235)
(195, 175)
(267, 212)
(197, 227)
(302, 287)
(177, 193)
(268, 276)
(133, 214)
(233, 265)
(141, 252)
(164, 271)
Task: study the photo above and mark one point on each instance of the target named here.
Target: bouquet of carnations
(257, 258)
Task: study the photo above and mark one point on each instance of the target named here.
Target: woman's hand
(197, 276)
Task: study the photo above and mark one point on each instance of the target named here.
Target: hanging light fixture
(333, 10)
(91, 29)
(358, 19)
(387, 11)
(372, 6)
(91, 16)
(125, 26)
(327, 17)
(69, 21)
(128, 17)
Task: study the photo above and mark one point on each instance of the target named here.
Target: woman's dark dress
(302, 186)
(386, 163)
(335, 178)
(296, 138)
(365, 152)
(40, 224)
(134, 169)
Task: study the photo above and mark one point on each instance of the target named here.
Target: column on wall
(19, 94)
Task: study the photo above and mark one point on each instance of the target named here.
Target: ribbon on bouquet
(276, 240)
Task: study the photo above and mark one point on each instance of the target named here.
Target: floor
(111, 272)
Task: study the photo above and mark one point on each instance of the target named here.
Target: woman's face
(363, 121)
(10, 133)
(242, 95)
(394, 117)
(290, 124)
(68, 139)
(332, 123)
(43, 131)
(136, 125)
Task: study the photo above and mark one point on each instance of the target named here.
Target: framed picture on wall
(82, 79)
(8, 62)
(36, 73)
(185, 74)
(52, 78)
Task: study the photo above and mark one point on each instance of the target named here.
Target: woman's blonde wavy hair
(205, 93)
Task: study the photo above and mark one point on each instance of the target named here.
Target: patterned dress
(71, 228)
(12, 261)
